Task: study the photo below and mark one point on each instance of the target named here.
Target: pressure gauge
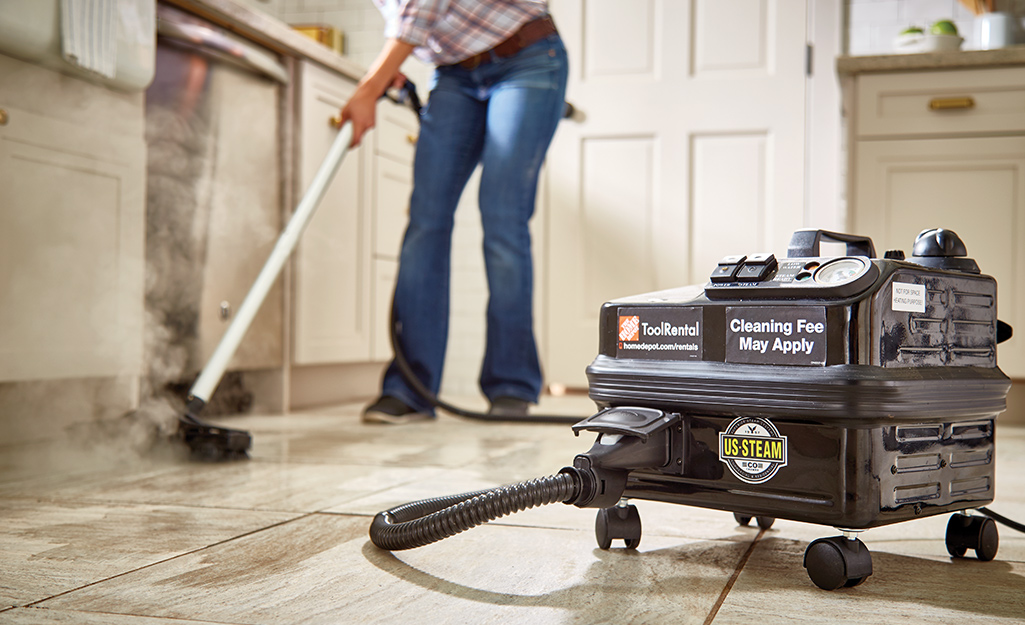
(840, 271)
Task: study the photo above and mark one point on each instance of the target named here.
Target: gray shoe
(509, 407)
(392, 411)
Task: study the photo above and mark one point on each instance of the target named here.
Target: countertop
(270, 32)
(962, 59)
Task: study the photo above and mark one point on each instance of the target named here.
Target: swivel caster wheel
(764, 522)
(972, 532)
(618, 522)
(837, 561)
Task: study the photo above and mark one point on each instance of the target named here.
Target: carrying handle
(805, 243)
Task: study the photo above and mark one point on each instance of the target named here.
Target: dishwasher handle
(221, 45)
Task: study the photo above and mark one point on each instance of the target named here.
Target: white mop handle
(210, 377)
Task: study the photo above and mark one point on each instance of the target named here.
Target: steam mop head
(210, 443)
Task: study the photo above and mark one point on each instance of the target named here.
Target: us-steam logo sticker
(753, 449)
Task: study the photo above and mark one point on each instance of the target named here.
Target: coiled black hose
(427, 521)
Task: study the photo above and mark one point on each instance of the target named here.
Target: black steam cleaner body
(850, 391)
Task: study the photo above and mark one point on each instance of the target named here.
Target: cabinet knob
(336, 121)
(225, 311)
(411, 139)
(3, 117)
(946, 104)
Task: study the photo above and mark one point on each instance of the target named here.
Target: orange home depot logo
(629, 327)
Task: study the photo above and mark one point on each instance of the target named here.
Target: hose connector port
(628, 438)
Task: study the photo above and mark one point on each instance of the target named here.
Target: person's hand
(361, 110)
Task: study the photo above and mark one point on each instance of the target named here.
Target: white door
(690, 147)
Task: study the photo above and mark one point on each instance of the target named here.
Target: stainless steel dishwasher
(214, 197)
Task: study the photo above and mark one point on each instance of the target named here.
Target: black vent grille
(936, 463)
(956, 328)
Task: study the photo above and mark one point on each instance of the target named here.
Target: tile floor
(90, 535)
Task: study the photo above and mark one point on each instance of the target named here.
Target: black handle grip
(406, 95)
(805, 243)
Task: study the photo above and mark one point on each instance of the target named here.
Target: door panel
(617, 42)
(617, 173)
(730, 36)
(729, 187)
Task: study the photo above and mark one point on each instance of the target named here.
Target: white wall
(873, 24)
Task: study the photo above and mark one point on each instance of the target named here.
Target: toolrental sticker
(776, 336)
(659, 333)
(753, 449)
(908, 297)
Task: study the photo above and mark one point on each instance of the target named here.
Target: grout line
(733, 578)
(165, 560)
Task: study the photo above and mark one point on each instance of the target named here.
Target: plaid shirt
(448, 31)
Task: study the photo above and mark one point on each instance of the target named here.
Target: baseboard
(323, 385)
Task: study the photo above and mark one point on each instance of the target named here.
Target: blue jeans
(501, 115)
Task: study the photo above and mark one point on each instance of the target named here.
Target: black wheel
(972, 532)
(765, 522)
(601, 529)
(838, 562)
(988, 540)
(825, 564)
(619, 522)
(742, 519)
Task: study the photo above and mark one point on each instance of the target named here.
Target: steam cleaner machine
(850, 391)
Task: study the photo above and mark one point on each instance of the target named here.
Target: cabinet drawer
(942, 103)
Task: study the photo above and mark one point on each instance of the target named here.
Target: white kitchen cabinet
(347, 260)
(918, 165)
(332, 302)
(72, 206)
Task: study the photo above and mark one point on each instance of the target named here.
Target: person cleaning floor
(496, 97)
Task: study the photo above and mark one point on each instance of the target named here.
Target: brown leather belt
(528, 34)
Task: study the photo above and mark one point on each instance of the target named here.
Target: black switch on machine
(758, 267)
(727, 269)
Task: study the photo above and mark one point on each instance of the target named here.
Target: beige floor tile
(44, 616)
(902, 589)
(322, 569)
(252, 485)
(52, 547)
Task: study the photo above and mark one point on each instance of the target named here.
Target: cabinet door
(332, 263)
(71, 246)
(975, 187)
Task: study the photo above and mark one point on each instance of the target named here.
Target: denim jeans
(502, 115)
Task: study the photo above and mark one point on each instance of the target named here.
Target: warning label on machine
(664, 333)
(776, 336)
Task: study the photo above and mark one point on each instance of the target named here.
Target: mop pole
(211, 375)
